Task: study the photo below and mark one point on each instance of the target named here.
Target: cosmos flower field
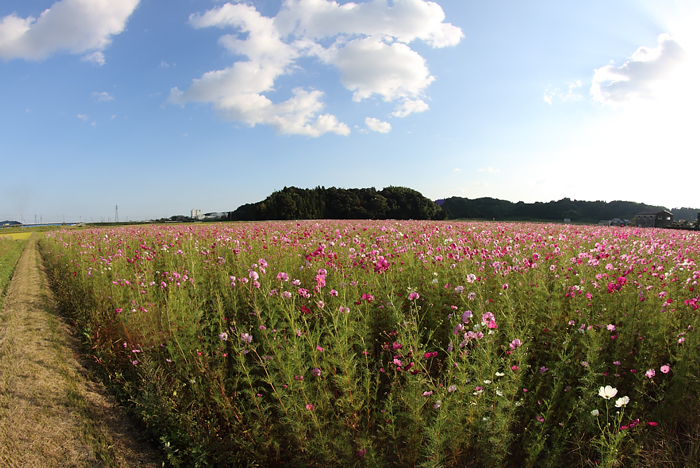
(393, 343)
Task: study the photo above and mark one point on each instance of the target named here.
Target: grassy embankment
(10, 251)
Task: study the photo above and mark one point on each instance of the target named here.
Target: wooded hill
(336, 203)
(575, 210)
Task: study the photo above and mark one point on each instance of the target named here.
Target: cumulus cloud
(368, 43)
(637, 76)
(377, 125)
(456, 169)
(102, 97)
(73, 26)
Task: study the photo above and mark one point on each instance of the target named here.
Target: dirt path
(51, 413)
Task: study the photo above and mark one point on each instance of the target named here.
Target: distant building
(658, 219)
(196, 214)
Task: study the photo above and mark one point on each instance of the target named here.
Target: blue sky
(160, 107)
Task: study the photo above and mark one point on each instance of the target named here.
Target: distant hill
(577, 211)
(689, 214)
(337, 203)
(8, 223)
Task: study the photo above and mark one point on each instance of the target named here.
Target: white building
(196, 214)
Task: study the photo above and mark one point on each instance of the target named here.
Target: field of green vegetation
(10, 251)
(394, 343)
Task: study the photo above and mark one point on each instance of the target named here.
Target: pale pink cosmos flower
(413, 295)
(282, 276)
(650, 373)
(666, 369)
(516, 343)
(611, 327)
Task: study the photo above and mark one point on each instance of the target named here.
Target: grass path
(51, 413)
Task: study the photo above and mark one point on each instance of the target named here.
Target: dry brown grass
(51, 413)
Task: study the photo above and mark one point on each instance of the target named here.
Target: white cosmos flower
(595, 412)
(607, 392)
(622, 401)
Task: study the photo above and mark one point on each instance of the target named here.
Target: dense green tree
(335, 203)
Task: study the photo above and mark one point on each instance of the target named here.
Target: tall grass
(10, 251)
(391, 343)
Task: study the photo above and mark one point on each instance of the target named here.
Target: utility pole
(116, 213)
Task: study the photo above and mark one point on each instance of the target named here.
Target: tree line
(576, 210)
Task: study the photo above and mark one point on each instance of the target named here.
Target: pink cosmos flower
(611, 327)
(666, 369)
(516, 343)
(282, 276)
(413, 296)
(310, 407)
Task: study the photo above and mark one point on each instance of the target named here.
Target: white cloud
(366, 42)
(410, 106)
(73, 26)
(102, 97)
(490, 170)
(98, 58)
(638, 75)
(406, 20)
(369, 66)
(164, 64)
(83, 117)
(377, 125)
(456, 169)
(570, 95)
